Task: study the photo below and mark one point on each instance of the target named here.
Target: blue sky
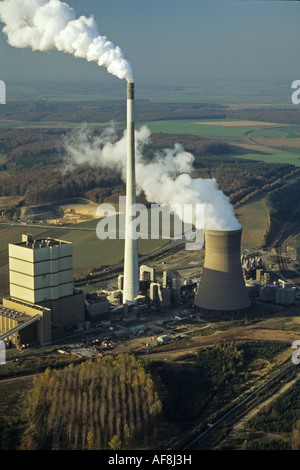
(177, 40)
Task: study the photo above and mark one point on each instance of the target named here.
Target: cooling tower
(222, 287)
(131, 273)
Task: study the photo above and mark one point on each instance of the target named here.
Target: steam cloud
(51, 24)
(165, 179)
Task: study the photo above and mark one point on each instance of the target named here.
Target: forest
(109, 403)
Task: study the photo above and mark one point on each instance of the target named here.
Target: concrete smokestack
(131, 274)
(222, 287)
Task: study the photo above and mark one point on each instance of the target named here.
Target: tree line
(106, 110)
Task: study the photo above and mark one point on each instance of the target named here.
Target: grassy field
(277, 156)
(91, 252)
(254, 219)
(286, 132)
(205, 128)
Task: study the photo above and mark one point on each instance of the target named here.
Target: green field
(195, 127)
(286, 132)
(275, 157)
(91, 252)
(274, 151)
(254, 218)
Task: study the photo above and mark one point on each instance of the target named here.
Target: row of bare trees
(102, 404)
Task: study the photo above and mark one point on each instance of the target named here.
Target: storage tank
(222, 287)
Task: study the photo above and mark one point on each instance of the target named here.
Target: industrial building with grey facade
(43, 305)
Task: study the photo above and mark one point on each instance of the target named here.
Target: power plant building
(41, 287)
(25, 323)
(40, 270)
(222, 287)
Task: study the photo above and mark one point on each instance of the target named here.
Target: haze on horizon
(175, 40)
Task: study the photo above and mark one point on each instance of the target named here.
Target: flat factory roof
(10, 313)
(32, 243)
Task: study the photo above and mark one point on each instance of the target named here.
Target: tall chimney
(222, 287)
(131, 274)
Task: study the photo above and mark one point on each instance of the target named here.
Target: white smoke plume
(165, 179)
(51, 24)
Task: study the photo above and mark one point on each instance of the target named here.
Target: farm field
(274, 157)
(286, 132)
(254, 218)
(220, 128)
(91, 252)
(269, 142)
